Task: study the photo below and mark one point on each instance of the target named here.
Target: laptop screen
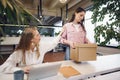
(44, 70)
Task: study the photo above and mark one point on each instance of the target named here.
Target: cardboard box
(83, 52)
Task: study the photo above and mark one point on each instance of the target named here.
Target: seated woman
(29, 51)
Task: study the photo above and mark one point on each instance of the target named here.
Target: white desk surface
(110, 76)
(15, 40)
(103, 64)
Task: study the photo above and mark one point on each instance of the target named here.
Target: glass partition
(17, 30)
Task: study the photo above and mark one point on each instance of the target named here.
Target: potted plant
(111, 29)
(14, 12)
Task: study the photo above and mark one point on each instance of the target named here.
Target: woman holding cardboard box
(74, 31)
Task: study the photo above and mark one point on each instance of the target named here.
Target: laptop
(44, 70)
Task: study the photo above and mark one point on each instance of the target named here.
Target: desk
(103, 64)
(15, 40)
(9, 77)
(7, 46)
(111, 76)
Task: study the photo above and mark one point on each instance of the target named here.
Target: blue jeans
(67, 53)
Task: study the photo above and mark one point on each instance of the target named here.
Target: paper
(68, 71)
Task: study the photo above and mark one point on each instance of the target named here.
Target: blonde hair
(25, 42)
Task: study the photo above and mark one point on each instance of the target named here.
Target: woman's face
(79, 16)
(36, 37)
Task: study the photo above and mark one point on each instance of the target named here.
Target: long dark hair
(79, 9)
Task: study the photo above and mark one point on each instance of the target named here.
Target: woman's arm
(64, 40)
(50, 44)
(9, 66)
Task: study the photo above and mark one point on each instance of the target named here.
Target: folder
(68, 71)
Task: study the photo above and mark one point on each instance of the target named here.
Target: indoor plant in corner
(14, 12)
(111, 29)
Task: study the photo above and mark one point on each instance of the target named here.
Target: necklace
(76, 26)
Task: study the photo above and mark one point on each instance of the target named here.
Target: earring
(32, 44)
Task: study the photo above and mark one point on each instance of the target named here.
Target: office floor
(54, 56)
(49, 57)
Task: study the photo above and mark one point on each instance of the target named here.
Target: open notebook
(44, 70)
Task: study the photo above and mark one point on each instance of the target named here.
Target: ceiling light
(63, 1)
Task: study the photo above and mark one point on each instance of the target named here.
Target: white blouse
(9, 66)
